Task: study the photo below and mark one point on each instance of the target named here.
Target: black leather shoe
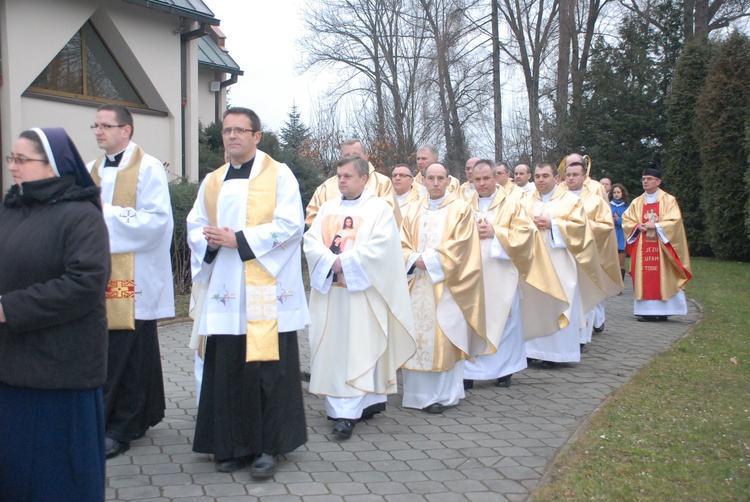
(599, 329)
(343, 428)
(113, 447)
(264, 466)
(503, 381)
(434, 408)
(468, 384)
(233, 464)
(548, 364)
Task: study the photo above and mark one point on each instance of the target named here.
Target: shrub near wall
(183, 195)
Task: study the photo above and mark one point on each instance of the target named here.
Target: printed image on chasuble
(339, 232)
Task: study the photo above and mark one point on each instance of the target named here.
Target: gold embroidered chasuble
(540, 286)
(260, 287)
(602, 225)
(592, 185)
(466, 191)
(449, 316)
(672, 277)
(514, 191)
(121, 288)
(377, 183)
(570, 216)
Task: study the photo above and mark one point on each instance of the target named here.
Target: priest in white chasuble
(359, 301)
(377, 183)
(657, 244)
(562, 221)
(426, 156)
(504, 179)
(244, 233)
(444, 266)
(594, 186)
(603, 230)
(402, 177)
(467, 190)
(515, 264)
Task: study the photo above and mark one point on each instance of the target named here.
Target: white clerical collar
(435, 203)
(352, 202)
(547, 196)
(489, 197)
(484, 202)
(652, 197)
(576, 192)
(113, 158)
(401, 198)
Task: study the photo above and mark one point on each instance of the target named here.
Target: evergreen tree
(747, 175)
(303, 168)
(681, 169)
(623, 108)
(721, 120)
(294, 133)
(210, 148)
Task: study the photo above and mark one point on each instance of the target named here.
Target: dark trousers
(134, 392)
(249, 408)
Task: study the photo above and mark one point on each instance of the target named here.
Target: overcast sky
(261, 38)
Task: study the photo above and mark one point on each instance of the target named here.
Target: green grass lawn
(680, 429)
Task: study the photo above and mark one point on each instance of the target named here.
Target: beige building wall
(133, 34)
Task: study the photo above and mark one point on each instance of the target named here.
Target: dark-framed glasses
(106, 127)
(236, 130)
(401, 175)
(21, 160)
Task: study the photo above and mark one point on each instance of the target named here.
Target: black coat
(54, 268)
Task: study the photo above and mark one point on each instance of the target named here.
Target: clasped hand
(220, 237)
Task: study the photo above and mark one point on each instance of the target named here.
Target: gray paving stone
(307, 489)
(225, 490)
(181, 491)
(494, 446)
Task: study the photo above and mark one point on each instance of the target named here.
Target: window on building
(86, 69)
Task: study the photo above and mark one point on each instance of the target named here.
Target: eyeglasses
(22, 160)
(236, 130)
(399, 175)
(94, 127)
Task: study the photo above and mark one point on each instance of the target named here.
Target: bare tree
(700, 17)
(532, 24)
(460, 73)
(497, 97)
(379, 56)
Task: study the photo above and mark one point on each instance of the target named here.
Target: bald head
(469, 164)
(522, 175)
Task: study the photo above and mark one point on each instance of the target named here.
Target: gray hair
(360, 165)
(353, 141)
(432, 149)
(485, 162)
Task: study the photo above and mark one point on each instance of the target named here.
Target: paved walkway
(494, 446)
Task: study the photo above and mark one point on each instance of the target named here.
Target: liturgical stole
(260, 286)
(121, 287)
